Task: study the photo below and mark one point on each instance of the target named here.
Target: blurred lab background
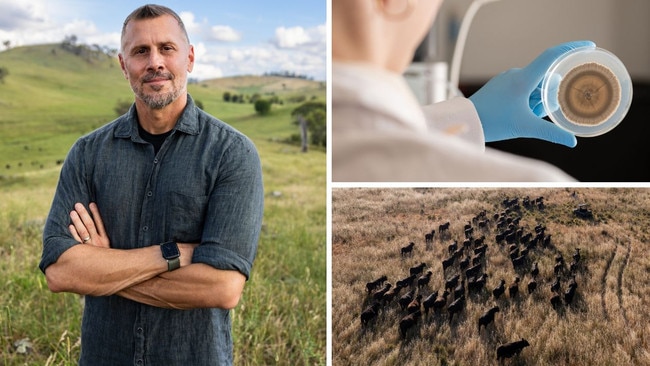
(510, 33)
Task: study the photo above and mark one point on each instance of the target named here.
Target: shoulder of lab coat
(458, 117)
(404, 156)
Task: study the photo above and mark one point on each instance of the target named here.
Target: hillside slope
(52, 96)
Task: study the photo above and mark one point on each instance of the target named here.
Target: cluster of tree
(311, 117)
(88, 52)
(288, 74)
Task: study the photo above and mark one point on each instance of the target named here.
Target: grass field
(48, 101)
(607, 323)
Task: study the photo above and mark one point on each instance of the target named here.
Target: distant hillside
(52, 96)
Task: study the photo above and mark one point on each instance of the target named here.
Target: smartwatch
(171, 254)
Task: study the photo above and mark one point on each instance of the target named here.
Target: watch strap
(173, 264)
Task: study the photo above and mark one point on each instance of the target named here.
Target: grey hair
(151, 11)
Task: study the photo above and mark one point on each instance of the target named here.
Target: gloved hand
(509, 105)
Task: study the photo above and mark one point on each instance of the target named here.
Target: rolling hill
(52, 96)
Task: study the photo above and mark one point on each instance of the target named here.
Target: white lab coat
(380, 133)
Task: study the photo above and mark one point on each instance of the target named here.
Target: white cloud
(291, 37)
(19, 14)
(224, 33)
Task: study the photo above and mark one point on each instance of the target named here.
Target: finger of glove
(540, 129)
(551, 103)
(535, 71)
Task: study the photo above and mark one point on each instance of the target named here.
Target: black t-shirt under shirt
(155, 140)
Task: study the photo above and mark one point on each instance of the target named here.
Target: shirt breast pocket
(186, 215)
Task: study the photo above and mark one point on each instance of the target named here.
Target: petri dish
(587, 91)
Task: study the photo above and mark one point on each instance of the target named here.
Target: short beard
(157, 100)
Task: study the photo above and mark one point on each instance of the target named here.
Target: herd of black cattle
(464, 272)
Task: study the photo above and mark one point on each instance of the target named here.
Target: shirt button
(155, 161)
(139, 362)
(145, 228)
(149, 194)
(140, 330)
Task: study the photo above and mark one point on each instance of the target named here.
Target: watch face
(169, 250)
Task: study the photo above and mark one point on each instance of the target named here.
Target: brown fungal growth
(589, 94)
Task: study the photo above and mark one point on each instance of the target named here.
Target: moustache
(157, 75)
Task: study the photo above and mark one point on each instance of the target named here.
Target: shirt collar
(187, 123)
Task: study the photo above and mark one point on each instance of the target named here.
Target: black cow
(373, 285)
(513, 289)
(408, 322)
(407, 249)
(406, 299)
(451, 282)
(455, 307)
(428, 302)
(510, 349)
(473, 271)
(424, 279)
(499, 290)
(535, 271)
(414, 305)
(532, 285)
(369, 313)
(408, 281)
(487, 317)
(417, 269)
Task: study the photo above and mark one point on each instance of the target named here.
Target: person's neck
(159, 121)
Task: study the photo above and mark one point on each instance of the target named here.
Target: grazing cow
(555, 286)
(408, 322)
(443, 227)
(392, 293)
(573, 267)
(525, 238)
(408, 281)
(547, 241)
(407, 249)
(499, 238)
(414, 305)
(448, 262)
(451, 248)
(477, 284)
(455, 307)
(487, 317)
(424, 279)
(556, 300)
(558, 268)
(535, 271)
(499, 290)
(378, 295)
(511, 238)
(478, 259)
(417, 269)
(406, 299)
(440, 302)
(532, 285)
(451, 282)
(513, 289)
(460, 289)
(373, 285)
(570, 292)
(428, 302)
(369, 313)
(464, 263)
(428, 237)
(481, 249)
(510, 349)
(519, 262)
(576, 255)
(473, 271)
(469, 232)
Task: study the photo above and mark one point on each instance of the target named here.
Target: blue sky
(231, 37)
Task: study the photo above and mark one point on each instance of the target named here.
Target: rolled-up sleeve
(235, 209)
(71, 188)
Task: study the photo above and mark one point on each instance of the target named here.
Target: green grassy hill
(49, 99)
(52, 96)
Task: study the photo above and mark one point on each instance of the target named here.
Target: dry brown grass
(607, 324)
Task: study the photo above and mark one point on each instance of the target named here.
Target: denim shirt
(203, 186)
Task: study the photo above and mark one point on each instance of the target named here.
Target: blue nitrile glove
(509, 105)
